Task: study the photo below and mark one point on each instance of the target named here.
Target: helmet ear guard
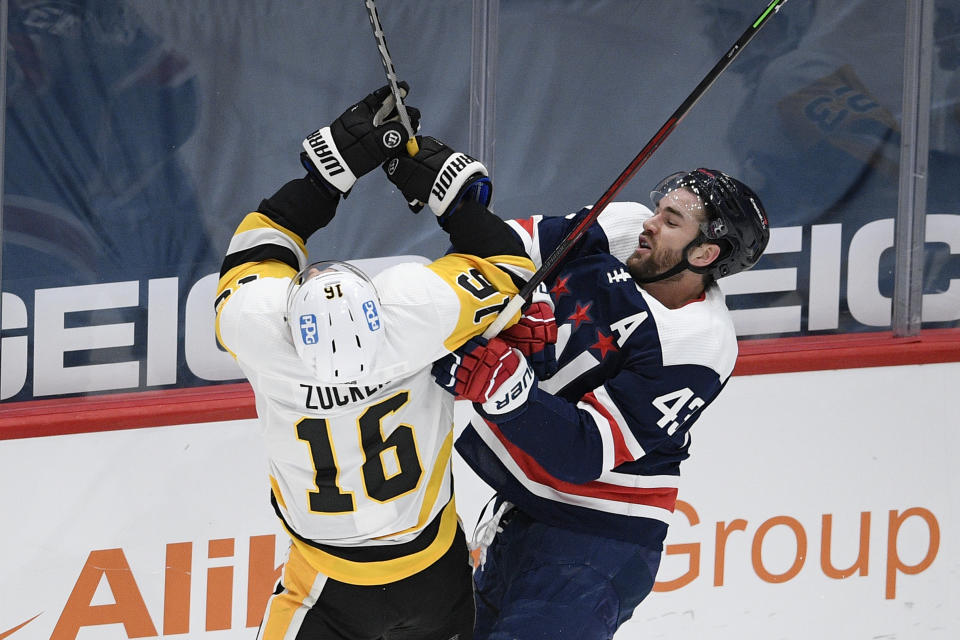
(333, 311)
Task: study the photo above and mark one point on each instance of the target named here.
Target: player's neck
(676, 291)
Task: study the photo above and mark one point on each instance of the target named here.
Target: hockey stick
(412, 147)
(577, 232)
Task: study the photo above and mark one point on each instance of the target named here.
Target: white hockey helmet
(334, 315)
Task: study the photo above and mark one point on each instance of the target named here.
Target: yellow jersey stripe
(266, 269)
(382, 571)
(256, 220)
(275, 487)
(299, 579)
(482, 289)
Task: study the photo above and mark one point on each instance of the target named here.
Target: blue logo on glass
(308, 328)
(373, 318)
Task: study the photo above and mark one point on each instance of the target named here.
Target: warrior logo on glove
(322, 154)
(391, 139)
(451, 169)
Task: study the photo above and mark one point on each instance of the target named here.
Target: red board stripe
(61, 416)
(846, 351)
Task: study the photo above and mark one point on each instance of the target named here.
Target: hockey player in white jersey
(585, 455)
(358, 435)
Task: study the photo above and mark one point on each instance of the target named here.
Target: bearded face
(648, 262)
(666, 234)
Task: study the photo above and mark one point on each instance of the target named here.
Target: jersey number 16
(379, 483)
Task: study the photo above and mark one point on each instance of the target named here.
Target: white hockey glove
(364, 136)
(439, 177)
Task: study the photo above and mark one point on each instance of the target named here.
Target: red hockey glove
(535, 335)
(492, 374)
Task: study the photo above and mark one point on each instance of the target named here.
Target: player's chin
(640, 265)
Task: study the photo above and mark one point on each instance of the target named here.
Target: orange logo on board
(10, 632)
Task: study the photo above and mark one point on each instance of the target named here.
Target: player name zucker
(324, 398)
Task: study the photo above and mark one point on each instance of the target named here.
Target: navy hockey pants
(546, 582)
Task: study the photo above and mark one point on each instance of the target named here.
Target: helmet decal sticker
(373, 318)
(308, 328)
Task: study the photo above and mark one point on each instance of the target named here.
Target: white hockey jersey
(359, 473)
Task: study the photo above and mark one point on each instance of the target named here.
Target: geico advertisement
(813, 505)
(159, 332)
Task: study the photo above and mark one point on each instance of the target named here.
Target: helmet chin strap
(675, 269)
(672, 271)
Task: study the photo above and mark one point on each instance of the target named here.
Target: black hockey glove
(439, 177)
(364, 136)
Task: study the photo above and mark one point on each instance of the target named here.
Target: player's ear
(702, 255)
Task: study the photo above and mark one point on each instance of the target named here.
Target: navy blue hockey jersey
(633, 378)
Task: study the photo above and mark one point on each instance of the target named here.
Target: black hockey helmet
(737, 222)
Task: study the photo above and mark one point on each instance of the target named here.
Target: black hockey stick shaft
(562, 249)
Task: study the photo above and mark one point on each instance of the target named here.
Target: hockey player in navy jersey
(584, 451)
(358, 436)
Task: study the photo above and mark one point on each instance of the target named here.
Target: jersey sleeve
(618, 423)
(270, 242)
(615, 231)
(482, 288)
(475, 230)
